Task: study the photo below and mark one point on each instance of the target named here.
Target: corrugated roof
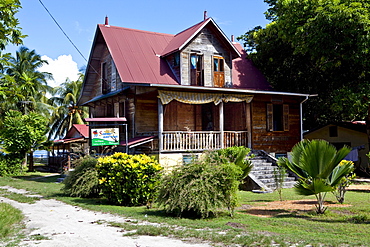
(136, 54)
(246, 75)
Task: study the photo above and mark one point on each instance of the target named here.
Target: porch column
(221, 113)
(160, 125)
(249, 124)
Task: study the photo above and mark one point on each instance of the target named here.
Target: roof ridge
(136, 30)
(192, 26)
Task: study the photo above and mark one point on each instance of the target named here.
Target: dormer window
(196, 70)
(218, 71)
(104, 78)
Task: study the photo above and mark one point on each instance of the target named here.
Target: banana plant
(316, 163)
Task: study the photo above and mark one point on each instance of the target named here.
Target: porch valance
(201, 98)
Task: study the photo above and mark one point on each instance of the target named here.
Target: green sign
(104, 137)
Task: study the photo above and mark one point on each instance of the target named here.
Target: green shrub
(10, 165)
(201, 188)
(129, 180)
(239, 156)
(83, 180)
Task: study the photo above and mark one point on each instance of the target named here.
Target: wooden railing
(235, 138)
(202, 140)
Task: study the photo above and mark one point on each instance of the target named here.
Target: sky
(79, 18)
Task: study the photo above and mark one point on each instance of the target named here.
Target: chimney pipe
(205, 15)
(106, 21)
(232, 38)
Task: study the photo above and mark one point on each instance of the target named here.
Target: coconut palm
(66, 112)
(316, 163)
(30, 83)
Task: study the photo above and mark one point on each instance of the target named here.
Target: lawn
(257, 221)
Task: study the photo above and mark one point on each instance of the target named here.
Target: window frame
(284, 119)
(196, 73)
(218, 71)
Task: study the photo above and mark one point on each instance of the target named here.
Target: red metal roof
(83, 129)
(136, 54)
(106, 119)
(246, 75)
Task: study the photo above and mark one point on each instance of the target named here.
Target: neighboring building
(74, 143)
(352, 134)
(188, 92)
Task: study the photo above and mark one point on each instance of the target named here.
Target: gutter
(301, 112)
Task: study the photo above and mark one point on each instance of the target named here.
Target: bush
(239, 156)
(129, 180)
(10, 164)
(201, 188)
(83, 181)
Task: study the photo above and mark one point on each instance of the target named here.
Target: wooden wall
(274, 141)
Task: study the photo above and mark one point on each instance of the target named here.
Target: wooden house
(186, 93)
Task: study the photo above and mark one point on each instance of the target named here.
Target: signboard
(103, 137)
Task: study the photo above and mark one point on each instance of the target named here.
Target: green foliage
(10, 165)
(344, 182)
(10, 32)
(239, 156)
(279, 178)
(202, 187)
(9, 218)
(83, 181)
(316, 163)
(326, 52)
(128, 179)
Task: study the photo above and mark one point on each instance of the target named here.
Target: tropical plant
(21, 134)
(316, 163)
(239, 156)
(66, 112)
(345, 181)
(28, 86)
(128, 179)
(201, 188)
(279, 178)
(83, 181)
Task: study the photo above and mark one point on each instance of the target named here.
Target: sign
(103, 137)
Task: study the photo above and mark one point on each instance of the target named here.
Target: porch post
(221, 113)
(160, 125)
(249, 124)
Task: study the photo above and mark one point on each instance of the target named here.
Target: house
(75, 141)
(352, 134)
(185, 93)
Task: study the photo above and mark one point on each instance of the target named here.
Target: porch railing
(202, 140)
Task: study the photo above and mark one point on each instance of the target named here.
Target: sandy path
(67, 225)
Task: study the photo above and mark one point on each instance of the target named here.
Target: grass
(349, 226)
(10, 223)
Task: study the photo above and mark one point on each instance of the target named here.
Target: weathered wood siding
(235, 116)
(207, 44)
(274, 141)
(146, 116)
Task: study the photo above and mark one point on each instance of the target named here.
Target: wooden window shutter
(286, 117)
(269, 117)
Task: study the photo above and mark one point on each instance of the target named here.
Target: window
(218, 71)
(104, 78)
(176, 59)
(196, 70)
(277, 117)
(333, 131)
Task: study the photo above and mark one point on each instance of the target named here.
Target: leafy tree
(21, 134)
(66, 112)
(317, 164)
(10, 32)
(317, 46)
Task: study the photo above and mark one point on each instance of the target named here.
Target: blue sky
(79, 18)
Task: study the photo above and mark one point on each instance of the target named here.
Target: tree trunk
(31, 167)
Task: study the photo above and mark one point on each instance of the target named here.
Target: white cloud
(62, 68)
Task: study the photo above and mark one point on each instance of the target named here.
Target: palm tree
(66, 112)
(30, 83)
(316, 163)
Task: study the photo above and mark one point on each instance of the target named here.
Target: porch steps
(262, 172)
